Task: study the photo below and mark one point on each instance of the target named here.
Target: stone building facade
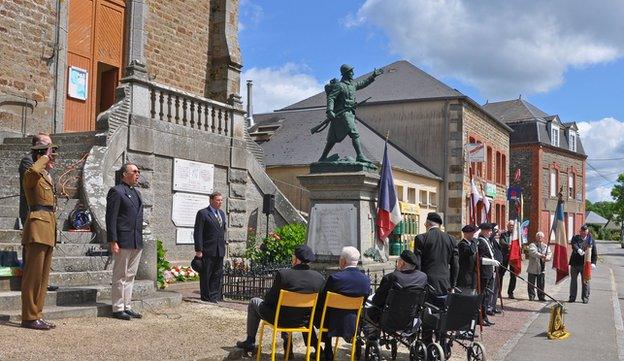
(551, 159)
(431, 123)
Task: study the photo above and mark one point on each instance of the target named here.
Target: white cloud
(602, 139)
(275, 88)
(503, 48)
(250, 15)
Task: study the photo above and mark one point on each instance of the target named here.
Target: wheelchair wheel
(394, 349)
(435, 352)
(476, 352)
(371, 352)
(418, 351)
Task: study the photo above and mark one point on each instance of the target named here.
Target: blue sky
(557, 56)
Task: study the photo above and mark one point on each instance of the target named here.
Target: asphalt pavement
(596, 331)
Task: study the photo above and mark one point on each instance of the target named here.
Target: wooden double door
(94, 60)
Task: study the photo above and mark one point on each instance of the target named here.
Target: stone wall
(177, 46)
(27, 53)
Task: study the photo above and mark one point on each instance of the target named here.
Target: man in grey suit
(209, 236)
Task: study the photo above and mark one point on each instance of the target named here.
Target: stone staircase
(80, 266)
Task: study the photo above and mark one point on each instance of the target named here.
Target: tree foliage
(617, 193)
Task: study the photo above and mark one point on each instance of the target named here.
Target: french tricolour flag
(388, 212)
(560, 254)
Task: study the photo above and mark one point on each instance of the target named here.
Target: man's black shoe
(511, 296)
(52, 288)
(585, 300)
(542, 299)
(531, 298)
(133, 314)
(571, 300)
(497, 310)
(122, 316)
(246, 346)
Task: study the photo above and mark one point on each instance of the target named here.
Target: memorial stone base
(342, 209)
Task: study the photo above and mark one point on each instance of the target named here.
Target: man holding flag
(560, 258)
(582, 261)
(388, 212)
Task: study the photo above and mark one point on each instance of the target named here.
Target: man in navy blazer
(124, 230)
(209, 236)
(350, 281)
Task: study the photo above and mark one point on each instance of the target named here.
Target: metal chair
(337, 301)
(293, 300)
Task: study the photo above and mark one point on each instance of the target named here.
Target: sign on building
(476, 152)
(195, 177)
(184, 235)
(490, 190)
(185, 207)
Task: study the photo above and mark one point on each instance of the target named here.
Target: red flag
(515, 254)
(587, 265)
(517, 175)
(560, 258)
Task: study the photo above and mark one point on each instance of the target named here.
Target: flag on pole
(587, 264)
(485, 216)
(560, 258)
(388, 212)
(515, 254)
(475, 198)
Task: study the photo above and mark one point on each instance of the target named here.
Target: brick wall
(478, 125)
(27, 31)
(177, 46)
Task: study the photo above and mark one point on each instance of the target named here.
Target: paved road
(596, 327)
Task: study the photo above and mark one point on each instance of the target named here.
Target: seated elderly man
(350, 281)
(406, 275)
(300, 278)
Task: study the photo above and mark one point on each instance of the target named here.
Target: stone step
(63, 249)
(63, 279)
(81, 263)
(15, 236)
(7, 222)
(63, 138)
(144, 304)
(72, 296)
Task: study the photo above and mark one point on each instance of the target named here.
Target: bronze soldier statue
(341, 111)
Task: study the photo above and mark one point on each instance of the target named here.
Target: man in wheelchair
(405, 277)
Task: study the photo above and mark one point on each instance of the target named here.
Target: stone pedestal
(342, 209)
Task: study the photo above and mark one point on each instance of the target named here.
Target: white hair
(351, 255)
(538, 234)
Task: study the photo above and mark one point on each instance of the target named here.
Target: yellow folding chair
(290, 299)
(335, 300)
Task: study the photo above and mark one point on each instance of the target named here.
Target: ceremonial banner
(515, 254)
(388, 211)
(560, 258)
(587, 264)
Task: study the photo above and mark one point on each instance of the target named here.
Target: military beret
(469, 228)
(409, 257)
(304, 254)
(42, 146)
(486, 226)
(434, 217)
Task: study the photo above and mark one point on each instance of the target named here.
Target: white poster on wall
(195, 177)
(476, 152)
(184, 235)
(185, 207)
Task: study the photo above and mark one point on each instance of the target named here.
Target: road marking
(617, 316)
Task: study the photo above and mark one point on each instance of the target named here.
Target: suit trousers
(126, 263)
(537, 280)
(37, 261)
(487, 288)
(210, 278)
(511, 287)
(575, 271)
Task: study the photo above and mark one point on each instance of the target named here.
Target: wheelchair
(454, 322)
(399, 322)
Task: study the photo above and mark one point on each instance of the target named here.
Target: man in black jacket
(438, 255)
(124, 229)
(498, 256)
(300, 278)
(582, 243)
(209, 237)
(467, 249)
(505, 243)
(488, 264)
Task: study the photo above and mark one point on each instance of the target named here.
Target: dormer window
(554, 135)
(572, 141)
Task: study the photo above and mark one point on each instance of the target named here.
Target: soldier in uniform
(488, 264)
(341, 110)
(39, 236)
(467, 249)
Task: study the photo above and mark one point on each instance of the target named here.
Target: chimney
(249, 119)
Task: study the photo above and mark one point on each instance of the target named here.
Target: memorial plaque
(196, 177)
(185, 207)
(184, 236)
(332, 226)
